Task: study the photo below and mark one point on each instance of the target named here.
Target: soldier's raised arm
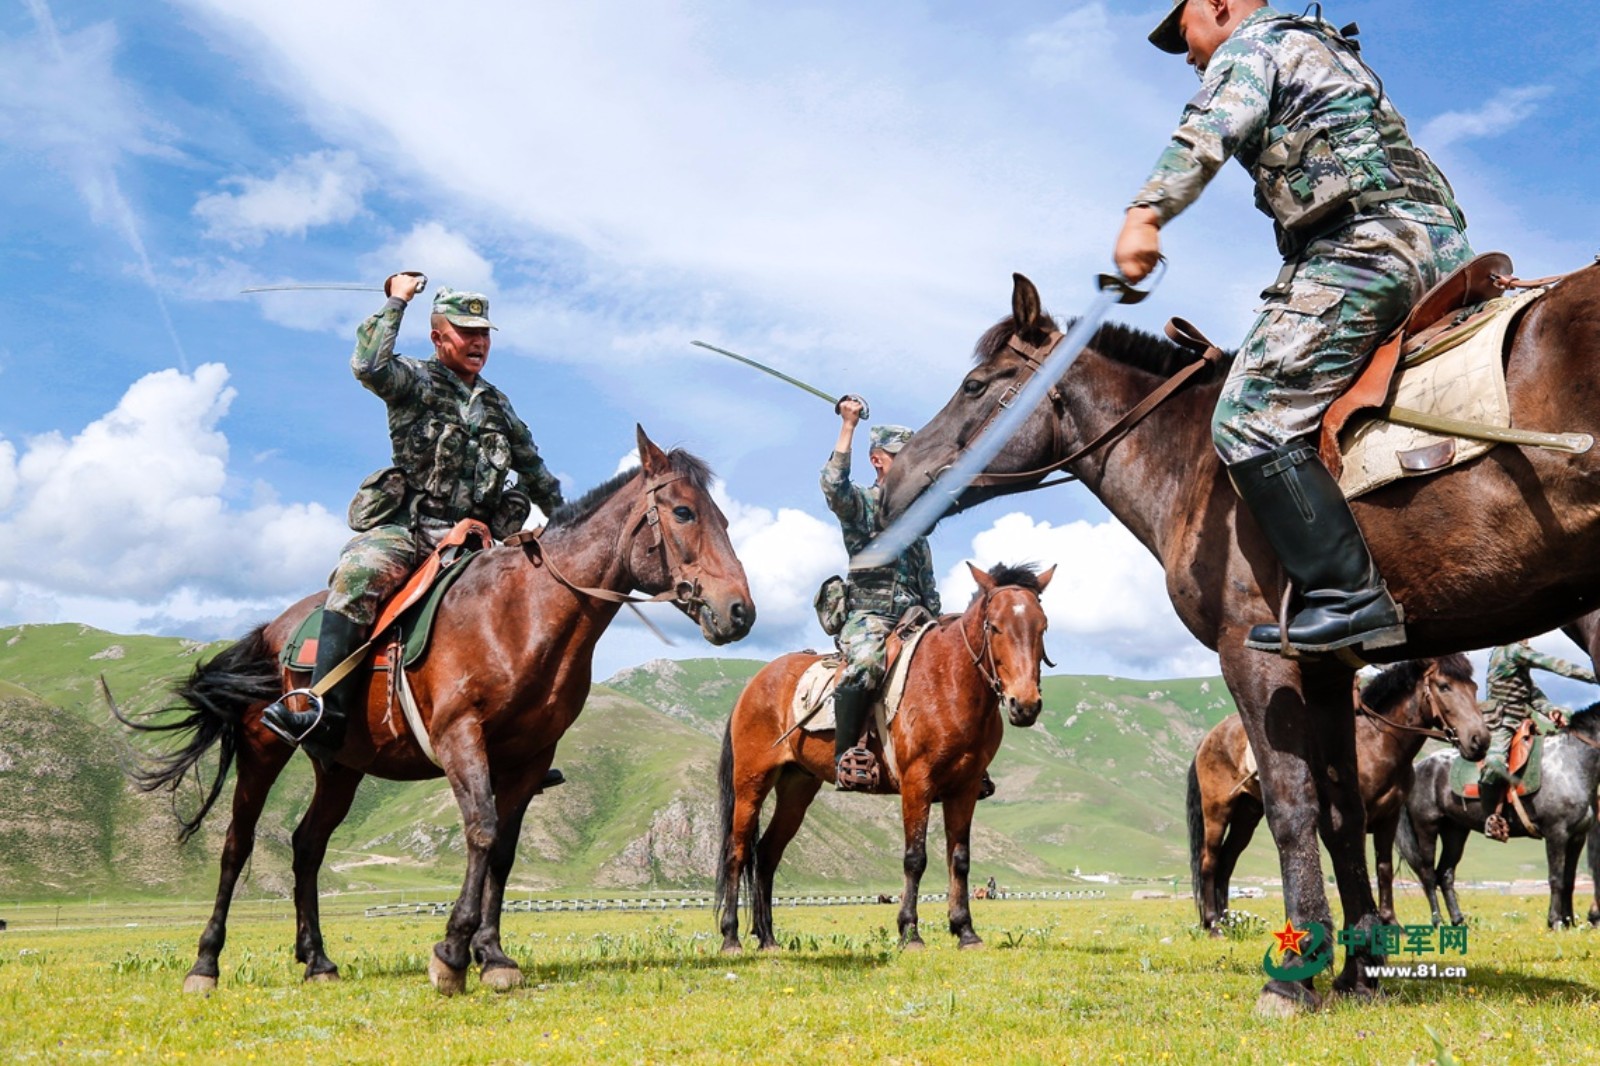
(374, 363)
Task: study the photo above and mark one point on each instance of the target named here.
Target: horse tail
(1405, 839)
(216, 694)
(1197, 834)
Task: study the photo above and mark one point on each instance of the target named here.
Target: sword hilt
(422, 286)
(866, 409)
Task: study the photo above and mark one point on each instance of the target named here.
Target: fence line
(397, 910)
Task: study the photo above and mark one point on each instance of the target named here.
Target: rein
(1448, 733)
(983, 656)
(685, 588)
(1178, 330)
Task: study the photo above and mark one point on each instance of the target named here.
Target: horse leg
(496, 969)
(1208, 824)
(335, 791)
(915, 803)
(958, 855)
(1561, 858)
(1383, 851)
(795, 791)
(461, 753)
(1241, 827)
(1453, 841)
(1275, 717)
(254, 775)
(740, 801)
(1594, 872)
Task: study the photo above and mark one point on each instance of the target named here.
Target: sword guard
(1127, 292)
(866, 410)
(421, 288)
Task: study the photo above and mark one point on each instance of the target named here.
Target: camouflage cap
(890, 438)
(1169, 35)
(469, 309)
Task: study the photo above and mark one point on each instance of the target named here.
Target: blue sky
(839, 189)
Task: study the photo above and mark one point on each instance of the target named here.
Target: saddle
(410, 611)
(1523, 762)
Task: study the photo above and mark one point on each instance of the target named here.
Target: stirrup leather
(858, 770)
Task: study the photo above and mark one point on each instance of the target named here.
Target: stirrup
(1496, 827)
(281, 706)
(857, 771)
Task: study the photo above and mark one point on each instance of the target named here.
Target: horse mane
(1137, 348)
(1587, 717)
(1021, 575)
(570, 514)
(1389, 687)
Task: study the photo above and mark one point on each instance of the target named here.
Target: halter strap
(1448, 733)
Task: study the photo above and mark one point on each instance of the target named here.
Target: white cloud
(444, 254)
(311, 190)
(1506, 110)
(786, 555)
(137, 508)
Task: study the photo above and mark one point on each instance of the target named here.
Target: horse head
(681, 543)
(1009, 645)
(1450, 698)
(1005, 361)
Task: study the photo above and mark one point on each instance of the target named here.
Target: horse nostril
(741, 615)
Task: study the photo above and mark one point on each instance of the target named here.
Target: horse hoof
(501, 978)
(448, 980)
(200, 983)
(771, 947)
(912, 945)
(1274, 1004)
(327, 975)
(974, 944)
(733, 948)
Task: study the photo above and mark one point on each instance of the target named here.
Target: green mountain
(1097, 785)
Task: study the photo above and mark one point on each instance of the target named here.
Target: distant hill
(1096, 785)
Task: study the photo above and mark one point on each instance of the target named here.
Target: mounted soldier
(455, 439)
(877, 598)
(1513, 700)
(1366, 224)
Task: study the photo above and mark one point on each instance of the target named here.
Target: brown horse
(961, 675)
(1499, 548)
(506, 675)
(1398, 710)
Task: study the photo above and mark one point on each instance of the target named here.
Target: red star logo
(1289, 939)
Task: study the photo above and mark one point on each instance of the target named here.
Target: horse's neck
(594, 552)
(1384, 747)
(1153, 478)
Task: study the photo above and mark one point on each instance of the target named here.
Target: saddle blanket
(1464, 774)
(1460, 374)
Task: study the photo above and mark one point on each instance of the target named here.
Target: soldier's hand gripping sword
(866, 412)
(925, 512)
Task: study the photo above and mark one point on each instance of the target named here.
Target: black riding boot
(849, 718)
(323, 737)
(1298, 505)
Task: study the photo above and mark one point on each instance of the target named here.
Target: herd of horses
(510, 665)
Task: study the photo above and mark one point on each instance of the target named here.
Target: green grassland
(1102, 981)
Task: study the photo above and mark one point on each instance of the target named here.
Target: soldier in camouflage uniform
(1513, 699)
(455, 440)
(1366, 225)
(877, 598)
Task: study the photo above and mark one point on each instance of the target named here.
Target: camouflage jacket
(886, 590)
(455, 443)
(1275, 87)
(1512, 694)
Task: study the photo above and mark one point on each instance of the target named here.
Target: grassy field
(1101, 981)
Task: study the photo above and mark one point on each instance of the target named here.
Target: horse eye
(974, 386)
(683, 514)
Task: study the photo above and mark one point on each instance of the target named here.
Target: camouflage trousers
(1317, 330)
(862, 643)
(374, 565)
(1496, 764)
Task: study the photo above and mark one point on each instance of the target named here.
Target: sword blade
(333, 286)
(780, 375)
(929, 507)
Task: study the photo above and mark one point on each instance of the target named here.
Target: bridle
(1447, 732)
(983, 655)
(683, 577)
(1033, 356)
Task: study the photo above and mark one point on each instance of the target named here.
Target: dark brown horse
(948, 729)
(506, 674)
(1499, 548)
(1397, 711)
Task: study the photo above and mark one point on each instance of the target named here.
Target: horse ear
(651, 458)
(1044, 579)
(985, 582)
(1025, 311)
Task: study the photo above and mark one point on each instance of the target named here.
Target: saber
(866, 412)
(339, 286)
(925, 512)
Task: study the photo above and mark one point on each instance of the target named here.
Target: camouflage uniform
(454, 445)
(877, 597)
(1350, 275)
(1514, 698)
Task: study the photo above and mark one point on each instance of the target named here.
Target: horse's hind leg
(497, 970)
(256, 772)
(795, 790)
(336, 789)
(958, 854)
(1241, 826)
(1561, 853)
(1453, 841)
(1594, 872)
